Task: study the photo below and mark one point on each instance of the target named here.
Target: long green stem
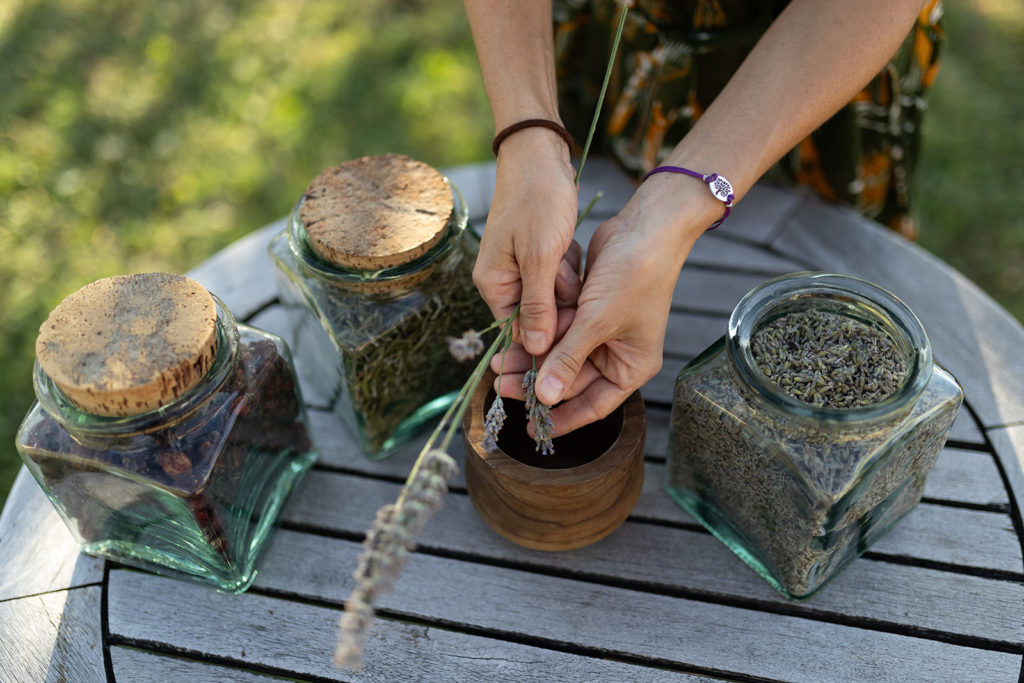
(453, 415)
(604, 89)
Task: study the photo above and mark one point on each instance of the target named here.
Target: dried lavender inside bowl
(827, 359)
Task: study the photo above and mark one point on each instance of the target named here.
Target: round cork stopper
(128, 344)
(376, 212)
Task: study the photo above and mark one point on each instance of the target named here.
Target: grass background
(145, 136)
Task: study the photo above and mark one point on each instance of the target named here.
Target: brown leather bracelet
(532, 123)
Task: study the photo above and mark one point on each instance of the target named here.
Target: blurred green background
(139, 136)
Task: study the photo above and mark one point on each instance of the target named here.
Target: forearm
(811, 62)
(514, 44)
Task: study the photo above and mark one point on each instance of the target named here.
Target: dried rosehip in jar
(167, 436)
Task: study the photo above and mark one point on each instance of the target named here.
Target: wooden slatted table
(940, 598)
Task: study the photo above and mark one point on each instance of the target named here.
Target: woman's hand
(529, 231)
(610, 343)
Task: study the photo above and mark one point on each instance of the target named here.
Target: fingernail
(549, 390)
(534, 342)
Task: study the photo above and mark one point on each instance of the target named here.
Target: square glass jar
(799, 490)
(190, 489)
(371, 341)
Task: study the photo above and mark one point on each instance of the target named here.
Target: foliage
(145, 136)
(972, 210)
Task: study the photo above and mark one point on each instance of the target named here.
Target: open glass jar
(167, 436)
(375, 268)
(798, 489)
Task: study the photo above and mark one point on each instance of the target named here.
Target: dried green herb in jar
(376, 266)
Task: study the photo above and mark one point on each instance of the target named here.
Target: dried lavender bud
(467, 347)
(828, 359)
(539, 415)
(493, 422)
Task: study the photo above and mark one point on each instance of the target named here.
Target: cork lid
(376, 212)
(128, 344)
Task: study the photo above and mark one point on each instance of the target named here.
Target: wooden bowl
(567, 500)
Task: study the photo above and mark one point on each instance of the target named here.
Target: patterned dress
(675, 57)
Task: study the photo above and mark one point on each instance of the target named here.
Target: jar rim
(299, 243)
(77, 420)
(780, 293)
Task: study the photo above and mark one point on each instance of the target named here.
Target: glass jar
(798, 490)
(369, 317)
(183, 475)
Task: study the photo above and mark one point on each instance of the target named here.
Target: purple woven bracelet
(719, 186)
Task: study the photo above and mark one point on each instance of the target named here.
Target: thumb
(565, 360)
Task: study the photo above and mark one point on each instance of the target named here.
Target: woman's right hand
(529, 230)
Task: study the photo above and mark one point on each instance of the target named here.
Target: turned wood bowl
(567, 500)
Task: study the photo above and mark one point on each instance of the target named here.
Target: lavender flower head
(540, 415)
(388, 543)
(466, 347)
(493, 422)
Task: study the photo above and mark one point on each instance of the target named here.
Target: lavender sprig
(539, 415)
(393, 533)
(388, 543)
(392, 536)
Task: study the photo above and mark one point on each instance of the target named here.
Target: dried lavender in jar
(808, 430)
(828, 359)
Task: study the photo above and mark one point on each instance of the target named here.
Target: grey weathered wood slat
(629, 623)
(688, 334)
(604, 175)
(966, 477)
(476, 184)
(1008, 443)
(713, 291)
(966, 430)
(37, 552)
(951, 535)
(718, 251)
(54, 637)
(977, 340)
(958, 475)
(241, 274)
(139, 666)
(270, 632)
(974, 539)
(980, 540)
(715, 251)
(760, 215)
(612, 621)
(969, 538)
(687, 561)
